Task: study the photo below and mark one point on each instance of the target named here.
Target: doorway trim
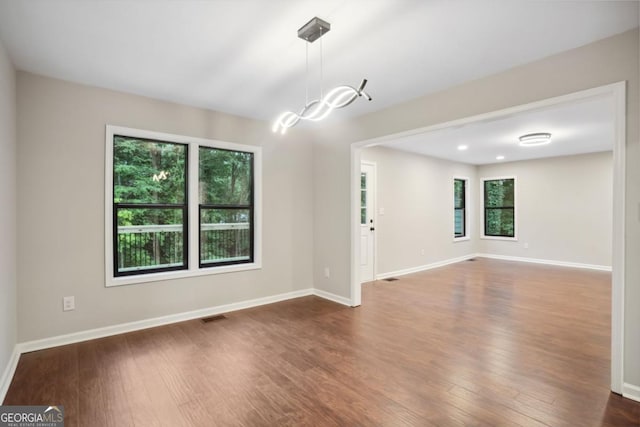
(618, 93)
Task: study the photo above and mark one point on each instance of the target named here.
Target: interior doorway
(617, 93)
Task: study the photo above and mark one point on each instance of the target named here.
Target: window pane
(459, 222)
(499, 193)
(225, 235)
(363, 198)
(499, 222)
(147, 171)
(499, 197)
(459, 201)
(363, 207)
(225, 177)
(150, 238)
(458, 193)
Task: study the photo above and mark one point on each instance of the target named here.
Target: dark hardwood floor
(484, 343)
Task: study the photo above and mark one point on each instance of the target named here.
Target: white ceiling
(584, 126)
(243, 56)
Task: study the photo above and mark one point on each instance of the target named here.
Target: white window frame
(467, 208)
(192, 207)
(515, 209)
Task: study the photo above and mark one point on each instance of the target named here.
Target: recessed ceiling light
(499, 157)
(533, 139)
(462, 147)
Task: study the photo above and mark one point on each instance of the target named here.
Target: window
(499, 207)
(149, 205)
(179, 206)
(459, 208)
(226, 206)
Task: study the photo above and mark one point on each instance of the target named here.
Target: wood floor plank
(91, 402)
(67, 391)
(483, 343)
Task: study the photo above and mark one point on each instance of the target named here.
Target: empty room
(255, 213)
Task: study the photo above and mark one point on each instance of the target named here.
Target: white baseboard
(631, 391)
(332, 297)
(547, 262)
(7, 375)
(423, 267)
(156, 321)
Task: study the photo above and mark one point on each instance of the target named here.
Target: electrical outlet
(422, 252)
(327, 272)
(526, 245)
(68, 303)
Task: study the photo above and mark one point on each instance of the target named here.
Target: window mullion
(192, 209)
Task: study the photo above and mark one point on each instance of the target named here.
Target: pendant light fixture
(338, 97)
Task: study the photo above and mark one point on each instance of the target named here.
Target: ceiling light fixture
(500, 157)
(338, 97)
(533, 139)
(462, 147)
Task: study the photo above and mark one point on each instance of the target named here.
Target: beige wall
(61, 134)
(8, 284)
(416, 193)
(564, 209)
(331, 229)
(607, 61)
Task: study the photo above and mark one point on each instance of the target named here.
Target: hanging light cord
(321, 68)
(306, 96)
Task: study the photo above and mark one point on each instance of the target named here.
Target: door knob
(372, 229)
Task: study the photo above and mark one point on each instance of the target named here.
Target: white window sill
(181, 274)
(507, 239)
(461, 239)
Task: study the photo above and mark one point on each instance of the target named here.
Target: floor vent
(213, 318)
(390, 279)
(471, 259)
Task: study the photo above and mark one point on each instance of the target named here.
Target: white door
(367, 224)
